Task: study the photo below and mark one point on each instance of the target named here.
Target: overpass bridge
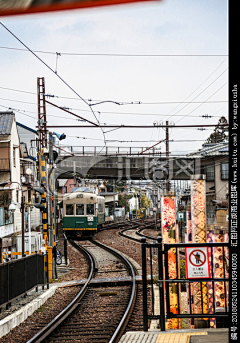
(122, 163)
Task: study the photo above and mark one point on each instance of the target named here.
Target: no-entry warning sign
(197, 262)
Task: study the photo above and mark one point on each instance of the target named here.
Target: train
(83, 214)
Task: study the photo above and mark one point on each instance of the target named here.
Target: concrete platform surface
(177, 336)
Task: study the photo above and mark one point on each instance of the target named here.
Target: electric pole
(42, 146)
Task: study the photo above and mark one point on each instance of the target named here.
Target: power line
(134, 126)
(115, 55)
(78, 95)
(123, 102)
(111, 112)
(19, 111)
(201, 93)
(202, 104)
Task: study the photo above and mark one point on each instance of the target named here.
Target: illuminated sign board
(16, 7)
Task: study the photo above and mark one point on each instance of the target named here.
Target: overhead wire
(117, 55)
(78, 95)
(122, 102)
(201, 84)
(86, 102)
(111, 112)
(201, 93)
(189, 114)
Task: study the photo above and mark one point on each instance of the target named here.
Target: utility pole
(42, 146)
(42, 119)
(50, 195)
(167, 155)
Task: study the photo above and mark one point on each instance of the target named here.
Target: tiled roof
(6, 120)
(214, 149)
(27, 128)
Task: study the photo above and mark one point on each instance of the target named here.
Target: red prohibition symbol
(197, 258)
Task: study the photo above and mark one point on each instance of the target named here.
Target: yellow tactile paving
(196, 333)
(177, 337)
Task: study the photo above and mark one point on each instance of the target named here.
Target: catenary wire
(78, 95)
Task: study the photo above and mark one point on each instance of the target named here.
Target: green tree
(219, 133)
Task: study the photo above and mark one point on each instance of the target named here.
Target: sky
(153, 62)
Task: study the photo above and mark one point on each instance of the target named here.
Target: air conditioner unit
(23, 179)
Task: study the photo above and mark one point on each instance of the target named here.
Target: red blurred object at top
(16, 7)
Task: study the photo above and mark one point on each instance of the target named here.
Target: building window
(210, 175)
(29, 195)
(14, 157)
(224, 171)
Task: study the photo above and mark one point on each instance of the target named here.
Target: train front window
(69, 209)
(100, 207)
(79, 209)
(90, 209)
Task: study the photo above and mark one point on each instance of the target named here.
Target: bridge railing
(109, 151)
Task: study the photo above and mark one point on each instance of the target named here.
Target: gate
(163, 270)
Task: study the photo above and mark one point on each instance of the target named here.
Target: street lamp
(13, 208)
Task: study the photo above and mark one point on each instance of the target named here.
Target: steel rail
(50, 327)
(121, 326)
(121, 233)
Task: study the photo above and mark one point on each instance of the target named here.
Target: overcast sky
(188, 78)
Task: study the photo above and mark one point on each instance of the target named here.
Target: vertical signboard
(198, 216)
(168, 216)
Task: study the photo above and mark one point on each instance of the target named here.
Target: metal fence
(19, 276)
(206, 297)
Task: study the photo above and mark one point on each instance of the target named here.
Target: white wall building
(10, 169)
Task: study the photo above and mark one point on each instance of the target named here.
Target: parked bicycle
(57, 254)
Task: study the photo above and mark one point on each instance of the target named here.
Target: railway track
(134, 232)
(98, 313)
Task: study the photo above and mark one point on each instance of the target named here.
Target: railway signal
(42, 204)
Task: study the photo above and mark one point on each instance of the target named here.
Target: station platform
(177, 336)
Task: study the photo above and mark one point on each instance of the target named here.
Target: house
(215, 165)
(28, 163)
(18, 168)
(10, 153)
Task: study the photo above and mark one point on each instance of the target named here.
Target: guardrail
(204, 282)
(17, 277)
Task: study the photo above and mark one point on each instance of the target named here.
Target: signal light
(42, 204)
(60, 136)
(41, 207)
(40, 190)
